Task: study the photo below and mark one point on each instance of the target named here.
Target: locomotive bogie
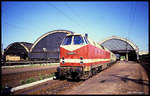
(69, 72)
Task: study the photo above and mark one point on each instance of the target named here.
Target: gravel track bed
(49, 87)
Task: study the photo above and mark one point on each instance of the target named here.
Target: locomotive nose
(71, 61)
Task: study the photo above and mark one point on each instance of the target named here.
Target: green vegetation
(51, 75)
(30, 80)
(22, 81)
(40, 77)
(122, 58)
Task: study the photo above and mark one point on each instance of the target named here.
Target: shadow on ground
(126, 79)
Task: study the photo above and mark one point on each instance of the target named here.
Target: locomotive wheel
(87, 75)
(93, 71)
(61, 77)
(75, 76)
(90, 74)
(99, 69)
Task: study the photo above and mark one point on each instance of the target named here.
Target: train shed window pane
(78, 40)
(67, 40)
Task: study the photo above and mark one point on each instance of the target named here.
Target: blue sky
(27, 21)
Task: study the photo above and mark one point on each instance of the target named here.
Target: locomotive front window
(78, 40)
(67, 40)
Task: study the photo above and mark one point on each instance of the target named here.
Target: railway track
(13, 77)
(49, 87)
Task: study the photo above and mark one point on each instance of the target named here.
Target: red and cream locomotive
(81, 57)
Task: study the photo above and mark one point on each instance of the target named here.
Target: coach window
(78, 40)
(67, 40)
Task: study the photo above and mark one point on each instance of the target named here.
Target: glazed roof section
(52, 36)
(115, 43)
(18, 47)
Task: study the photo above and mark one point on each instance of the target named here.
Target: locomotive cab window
(78, 40)
(67, 40)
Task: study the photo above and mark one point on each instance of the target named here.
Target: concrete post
(126, 56)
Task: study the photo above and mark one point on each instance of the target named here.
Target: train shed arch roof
(47, 46)
(46, 34)
(115, 43)
(20, 49)
(25, 45)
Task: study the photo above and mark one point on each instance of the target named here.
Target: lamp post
(126, 50)
(45, 51)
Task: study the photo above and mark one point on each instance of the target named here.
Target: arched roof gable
(25, 47)
(46, 34)
(123, 39)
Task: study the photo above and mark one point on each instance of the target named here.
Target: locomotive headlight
(63, 60)
(81, 60)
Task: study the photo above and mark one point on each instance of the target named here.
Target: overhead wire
(75, 14)
(14, 25)
(17, 25)
(63, 13)
(68, 17)
(131, 19)
(131, 22)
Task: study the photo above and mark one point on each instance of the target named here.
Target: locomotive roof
(70, 34)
